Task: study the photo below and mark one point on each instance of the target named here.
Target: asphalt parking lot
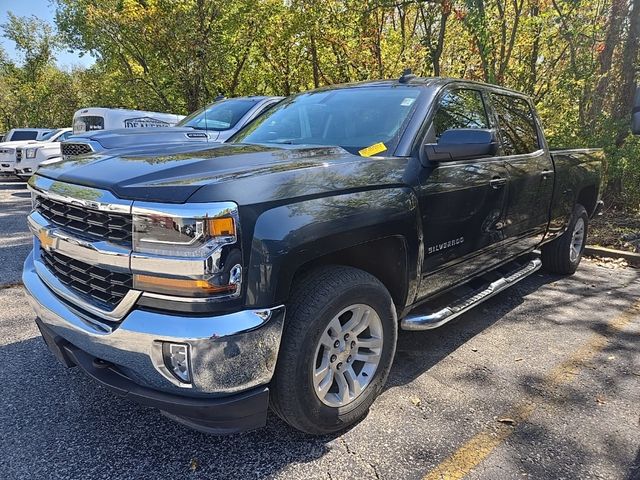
(542, 381)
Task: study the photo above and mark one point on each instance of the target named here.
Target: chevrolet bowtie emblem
(46, 241)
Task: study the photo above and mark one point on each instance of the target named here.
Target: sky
(46, 11)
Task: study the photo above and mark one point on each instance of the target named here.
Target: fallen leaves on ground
(608, 262)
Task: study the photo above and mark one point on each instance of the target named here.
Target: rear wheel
(336, 351)
(563, 254)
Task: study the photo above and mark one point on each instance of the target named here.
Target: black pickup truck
(276, 270)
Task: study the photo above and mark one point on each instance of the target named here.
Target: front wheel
(336, 352)
(563, 254)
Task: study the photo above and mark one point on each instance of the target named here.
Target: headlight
(193, 233)
(183, 232)
(31, 152)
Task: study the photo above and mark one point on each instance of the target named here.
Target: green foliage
(176, 55)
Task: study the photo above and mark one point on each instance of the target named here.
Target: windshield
(359, 118)
(47, 136)
(219, 116)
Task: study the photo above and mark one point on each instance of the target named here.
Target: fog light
(176, 360)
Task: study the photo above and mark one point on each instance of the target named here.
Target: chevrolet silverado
(276, 270)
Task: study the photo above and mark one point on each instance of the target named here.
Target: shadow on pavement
(417, 352)
(564, 455)
(634, 472)
(61, 420)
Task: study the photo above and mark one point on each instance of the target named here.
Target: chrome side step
(440, 317)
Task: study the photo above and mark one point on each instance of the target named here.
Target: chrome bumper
(229, 353)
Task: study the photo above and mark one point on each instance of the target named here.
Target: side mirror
(635, 116)
(462, 144)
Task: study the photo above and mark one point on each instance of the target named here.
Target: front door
(462, 202)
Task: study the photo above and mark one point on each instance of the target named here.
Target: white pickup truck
(13, 139)
(28, 155)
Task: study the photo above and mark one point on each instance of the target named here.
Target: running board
(440, 317)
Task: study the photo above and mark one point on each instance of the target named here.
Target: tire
(317, 300)
(557, 256)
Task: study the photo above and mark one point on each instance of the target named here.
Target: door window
(516, 124)
(63, 137)
(462, 108)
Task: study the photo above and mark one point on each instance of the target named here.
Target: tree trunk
(535, 49)
(605, 58)
(445, 10)
(626, 91)
(314, 62)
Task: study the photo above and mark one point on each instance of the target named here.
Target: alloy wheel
(347, 355)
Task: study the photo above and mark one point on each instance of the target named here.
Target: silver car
(215, 123)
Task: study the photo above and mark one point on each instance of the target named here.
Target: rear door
(531, 172)
(462, 202)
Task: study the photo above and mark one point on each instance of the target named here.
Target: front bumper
(230, 354)
(7, 168)
(24, 172)
(236, 413)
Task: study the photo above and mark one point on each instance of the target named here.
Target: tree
(578, 59)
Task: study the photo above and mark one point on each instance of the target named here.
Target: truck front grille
(94, 224)
(95, 284)
(19, 152)
(75, 149)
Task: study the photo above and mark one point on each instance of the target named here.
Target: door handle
(497, 182)
(546, 174)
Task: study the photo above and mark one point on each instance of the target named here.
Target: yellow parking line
(479, 447)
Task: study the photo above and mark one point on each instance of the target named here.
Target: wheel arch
(376, 231)
(384, 258)
(588, 198)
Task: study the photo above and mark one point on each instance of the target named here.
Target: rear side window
(24, 135)
(516, 124)
(462, 108)
(88, 123)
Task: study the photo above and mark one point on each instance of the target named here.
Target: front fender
(287, 237)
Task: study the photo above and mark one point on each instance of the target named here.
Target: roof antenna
(407, 75)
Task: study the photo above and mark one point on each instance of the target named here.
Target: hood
(46, 144)
(245, 174)
(131, 137)
(17, 143)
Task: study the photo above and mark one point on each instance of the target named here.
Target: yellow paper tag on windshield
(373, 149)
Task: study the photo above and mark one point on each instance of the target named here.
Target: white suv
(29, 156)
